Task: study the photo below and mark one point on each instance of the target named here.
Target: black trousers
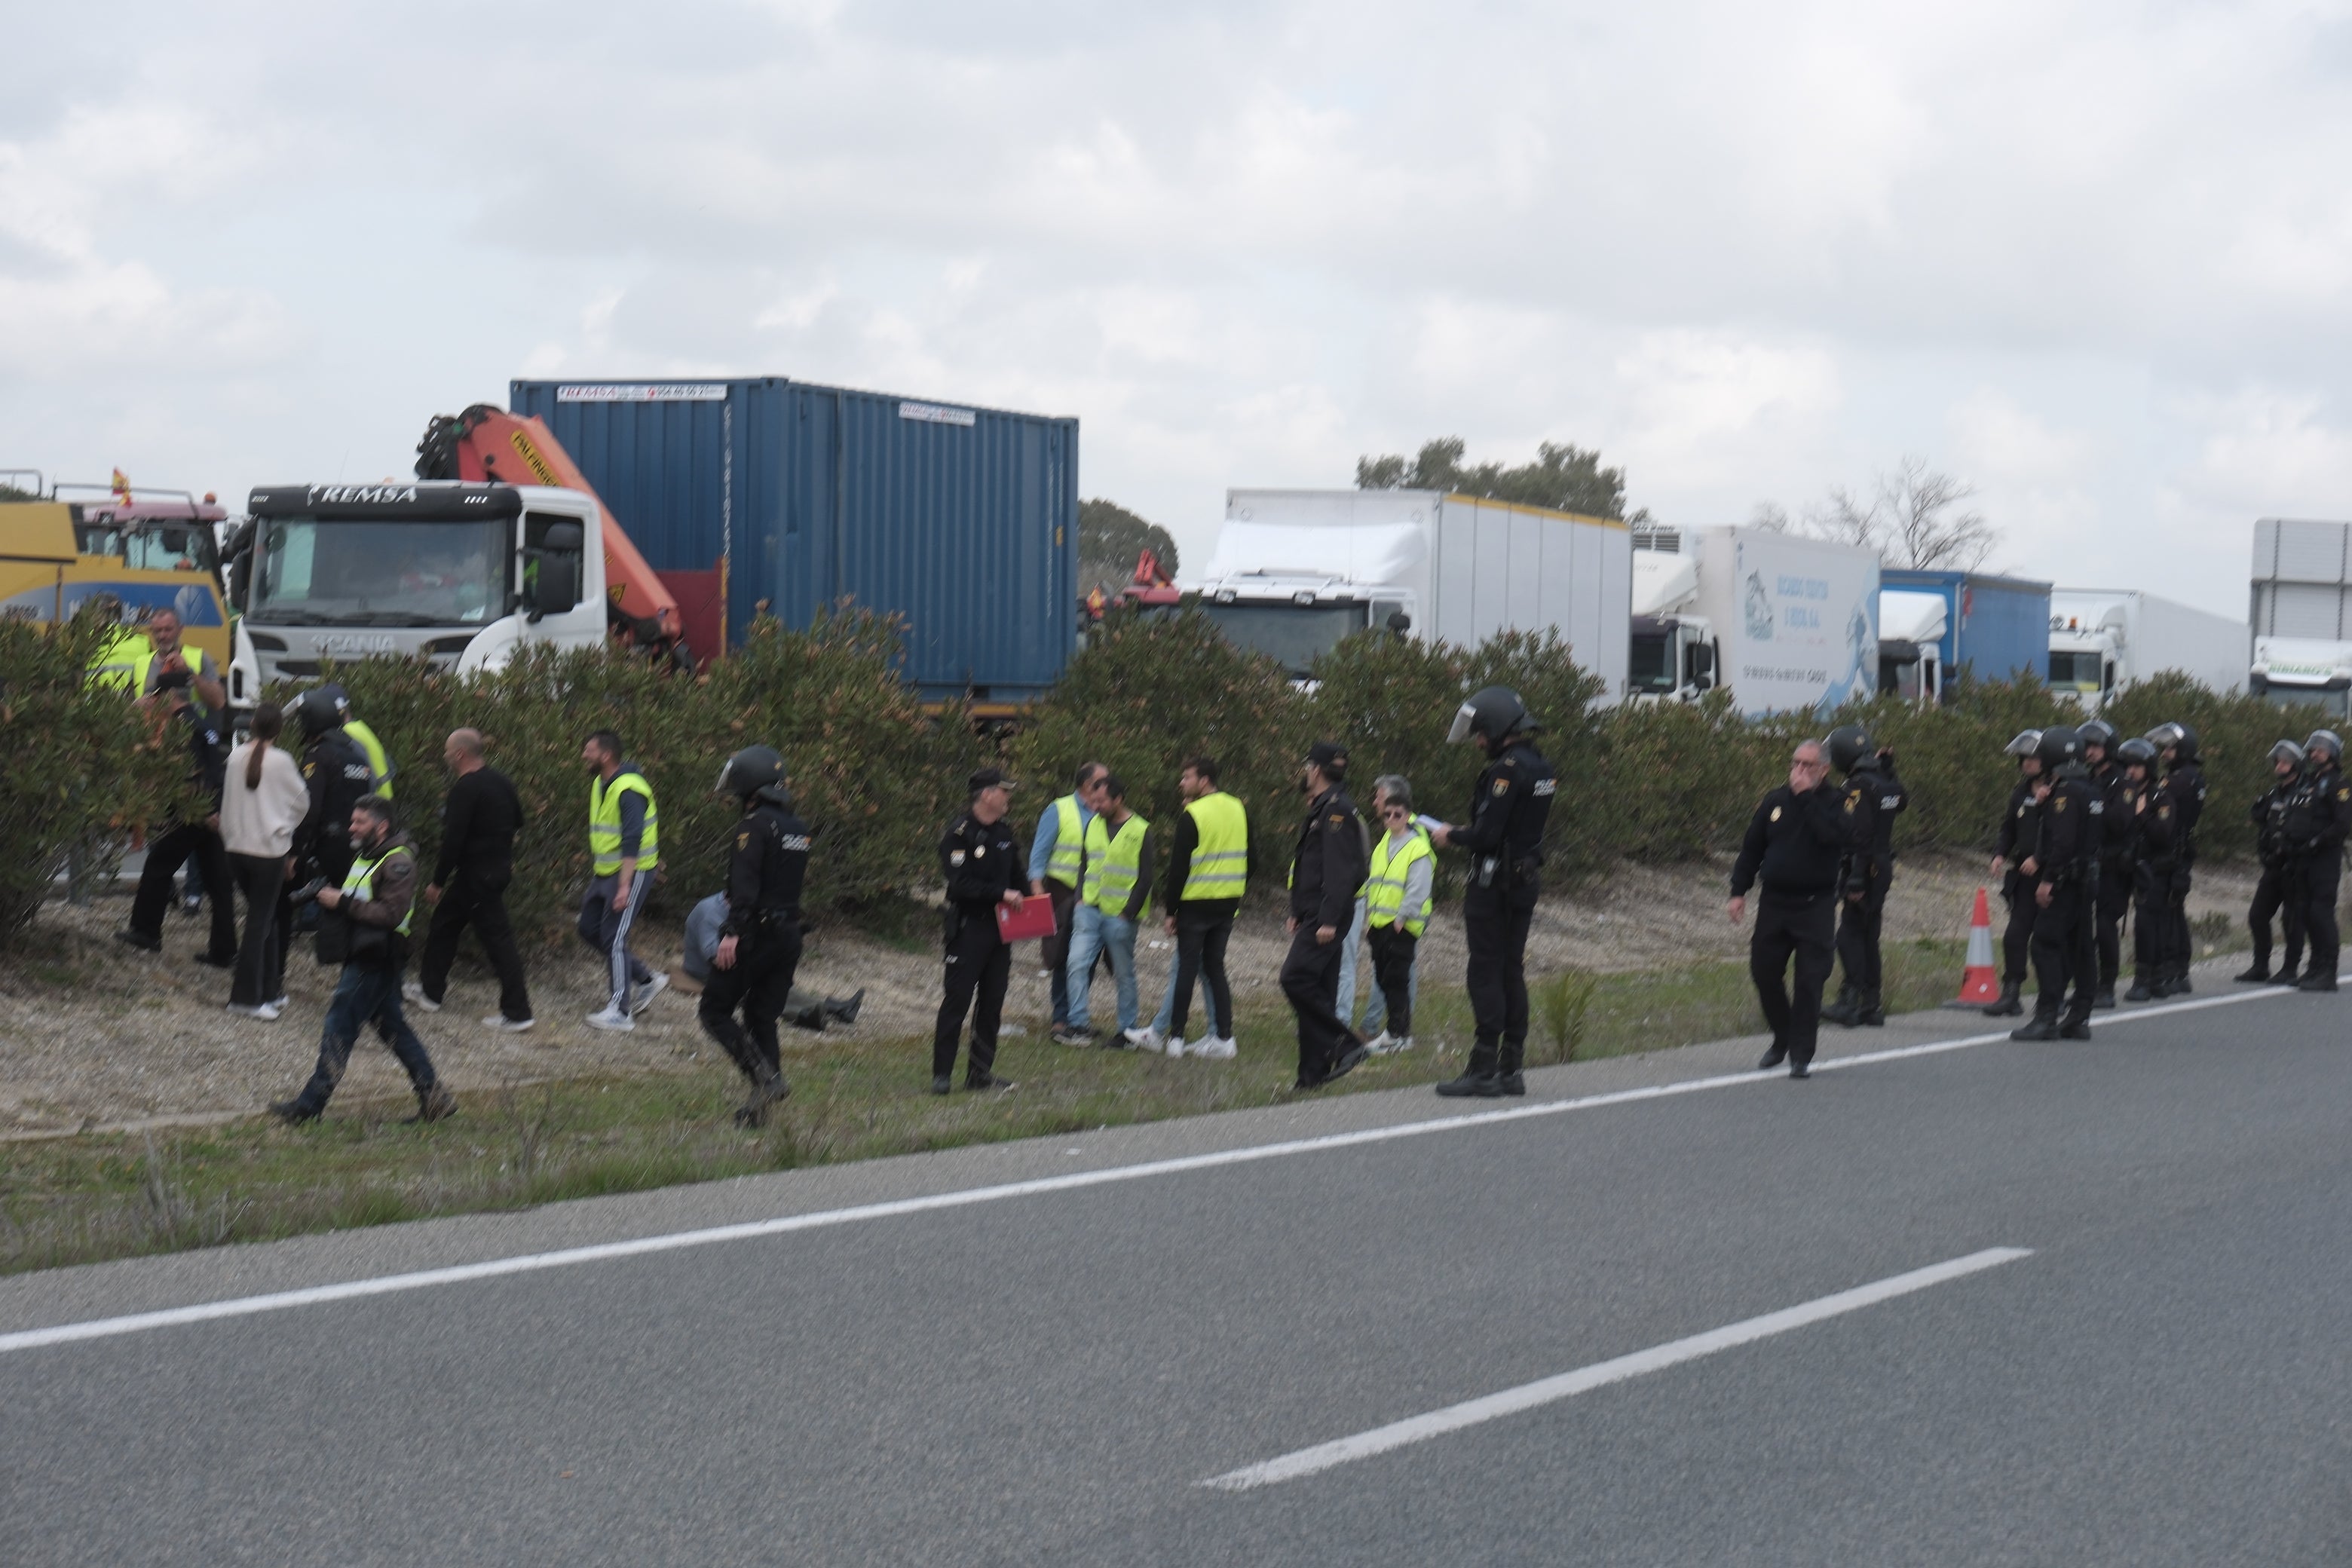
(979, 966)
(2017, 935)
(758, 984)
(1802, 929)
(2151, 912)
(184, 842)
(2279, 893)
(1392, 949)
(2321, 875)
(480, 902)
(2065, 950)
(1203, 926)
(2114, 900)
(2174, 950)
(1054, 951)
(1497, 979)
(1859, 923)
(260, 975)
(1310, 979)
(330, 859)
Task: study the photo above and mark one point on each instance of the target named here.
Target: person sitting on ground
(804, 1009)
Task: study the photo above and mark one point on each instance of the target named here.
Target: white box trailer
(2301, 613)
(1295, 571)
(1782, 622)
(2107, 640)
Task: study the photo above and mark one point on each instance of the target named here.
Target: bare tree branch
(1912, 520)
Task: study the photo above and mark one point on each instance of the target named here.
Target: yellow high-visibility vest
(1070, 842)
(605, 824)
(1384, 888)
(1219, 867)
(1113, 864)
(359, 883)
(379, 761)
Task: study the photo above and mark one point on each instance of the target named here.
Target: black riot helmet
(2059, 745)
(1847, 745)
(1494, 712)
(755, 772)
(2138, 750)
(2177, 739)
(333, 691)
(2287, 751)
(2327, 740)
(2097, 732)
(317, 712)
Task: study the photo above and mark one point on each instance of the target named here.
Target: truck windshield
(1294, 635)
(151, 546)
(395, 573)
(2074, 671)
(1652, 668)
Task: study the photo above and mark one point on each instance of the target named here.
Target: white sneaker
(1217, 1049)
(613, 1018)
(1405, 1043)
(415, 992)
(1142, 1040)
(281, 1002)
(269, 1011)
(1381, 1043)
(242, 1011)
(646, 992)
(501, 1022)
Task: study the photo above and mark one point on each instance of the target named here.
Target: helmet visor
(1463, 718)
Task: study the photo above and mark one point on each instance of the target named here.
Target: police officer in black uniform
(2064, 891)
(983, 864)
(2316, 828)
(339, 777)
(2182, 801)
(2010, 863)
(1874, 799)
(2117, 839)
(2151, 860)
(1509, 806)
(2277, 893)
(760, 942)
(1795, 847)
(1326, 868)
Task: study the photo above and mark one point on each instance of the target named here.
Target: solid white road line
(1511, 1401)
(529, 1263)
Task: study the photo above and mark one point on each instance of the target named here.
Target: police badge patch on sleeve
(955, 856)
(1776, 813)
(1502, 786)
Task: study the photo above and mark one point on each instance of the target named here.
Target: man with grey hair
(1795, 844)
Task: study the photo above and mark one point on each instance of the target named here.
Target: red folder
(1035, 918)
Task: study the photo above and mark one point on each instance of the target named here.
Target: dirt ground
(96, 1035)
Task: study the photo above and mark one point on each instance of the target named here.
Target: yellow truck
(151, 551)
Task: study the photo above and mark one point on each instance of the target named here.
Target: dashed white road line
(1568, 1384)
(676, 1241)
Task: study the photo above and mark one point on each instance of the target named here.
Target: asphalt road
(1050, 1376)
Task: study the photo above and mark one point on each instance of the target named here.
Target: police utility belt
(1505, 872)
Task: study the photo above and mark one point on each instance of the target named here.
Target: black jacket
(2184, 792)
(479, 818)
(2020, 830)
(1795, 844)
(2118, 833)
(1875, 797)
(981, 862)
(766, 869)
(2072, 816)
(2318, 814)
(1328, 864)
(339, 775)
(2269, 815)
(1510, 806)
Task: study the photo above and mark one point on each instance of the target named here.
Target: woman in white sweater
(263, 801)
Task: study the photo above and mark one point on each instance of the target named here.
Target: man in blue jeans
(378, 895)
(1057, 861)
(1114, 897)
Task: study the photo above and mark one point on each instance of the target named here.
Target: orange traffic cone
(1979, 983)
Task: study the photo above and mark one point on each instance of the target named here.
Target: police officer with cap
(1874, 799)
(2118, 839)
(2064, 890)
(2012, 863)
(982, 863)
(1509, 806)
(2181, 801)
(759, 942)
(2316, 827)
(2278, 891)
(1328, 864)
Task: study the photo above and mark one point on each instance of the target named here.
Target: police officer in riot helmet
(1872, 798)
(2181, 801)
(2151, 858)
(2278, 892)
(2316, 825)
(2063, 888)
(2117, 839)
(339, 775)
(760, 943)
(1508, 808)
(2012, 864)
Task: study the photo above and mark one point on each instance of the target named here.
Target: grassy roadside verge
(100, 1197)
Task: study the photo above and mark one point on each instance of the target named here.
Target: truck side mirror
(1400, 623)
(1699, 663)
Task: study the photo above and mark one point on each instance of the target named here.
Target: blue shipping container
(963, 520)
(1997, 628)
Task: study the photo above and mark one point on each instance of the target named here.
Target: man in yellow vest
(624, 847)
(1396, 909)
(1207, 871)
(375, 904)
(166, 661)
(1114, 897)
(1057, 856)
(381, 766)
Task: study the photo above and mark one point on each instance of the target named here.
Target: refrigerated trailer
(2103, 641)
(2301, 614)
(1781, 622)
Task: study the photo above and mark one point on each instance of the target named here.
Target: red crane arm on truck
(491, 444)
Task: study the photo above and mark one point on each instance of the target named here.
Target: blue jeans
(1092, 931)
(366, 992)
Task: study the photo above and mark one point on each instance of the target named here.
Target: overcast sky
(2093, 258)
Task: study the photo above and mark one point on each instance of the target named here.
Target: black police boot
(1507, 1076)
(2180, 986)
(1479, 1079)
(2318, 980)
(1351, 1059)
(1873, 1010)
(2044, 1027)
(846, 1012)
(809, 1018)
(2141, 991)
(1846, 1011)
(767, 1088)
(2256, 974)
(987, 1080)
(2291, 970)
(942, 1083)
(2105, 1002)
(293, 1112)
(2011, 1001)
(2076, 1026)
(1802, 1069)
(1773, 1057)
